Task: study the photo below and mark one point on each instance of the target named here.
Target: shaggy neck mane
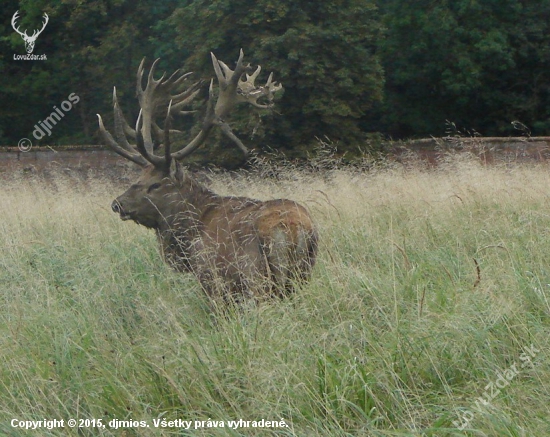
(197, 194)
(181, 227)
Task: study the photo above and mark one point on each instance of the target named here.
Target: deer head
(29, 40)
(161, 98)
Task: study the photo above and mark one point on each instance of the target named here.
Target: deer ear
(176, 172)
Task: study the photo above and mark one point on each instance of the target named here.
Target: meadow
(428, 313)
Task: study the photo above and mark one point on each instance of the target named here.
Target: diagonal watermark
(493, 388)
(45, 127)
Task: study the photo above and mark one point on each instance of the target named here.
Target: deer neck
(184, 207)
(181, 230)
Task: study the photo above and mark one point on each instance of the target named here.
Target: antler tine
(122, 128)
(185, 98)
(173, 81)
(207, 125)
(210, 103)
(219, 74)
(254, 75)
(241, 56)
(149, 99)
(157, 161)
(240, 68)
(151, 82)
(120, 145)
(150, 77)
(139, 138)
(160, 132)
(227, 72)
(139, 76)
(226, 129)
(166, 136)
(108, 138)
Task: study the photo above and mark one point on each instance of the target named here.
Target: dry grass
(429, 282)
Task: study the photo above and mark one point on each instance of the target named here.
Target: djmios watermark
(492, 390)
(45, 126)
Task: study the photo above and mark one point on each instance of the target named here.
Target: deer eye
(153, 187)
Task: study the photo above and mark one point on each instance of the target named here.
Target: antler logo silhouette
(29, 40)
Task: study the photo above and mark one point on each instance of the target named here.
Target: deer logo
(236, 246)
(29, 40)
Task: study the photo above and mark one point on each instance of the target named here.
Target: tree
(478, 64)
(90, 47)
(322, 52)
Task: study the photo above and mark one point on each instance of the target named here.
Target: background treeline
(352, 70)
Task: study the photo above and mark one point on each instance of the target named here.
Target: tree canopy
(480, 64)
(349, 68)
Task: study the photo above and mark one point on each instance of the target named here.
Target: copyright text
(155, 423)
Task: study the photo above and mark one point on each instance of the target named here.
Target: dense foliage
(480, 64)
(350, 68)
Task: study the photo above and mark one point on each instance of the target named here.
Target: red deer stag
(236, 246)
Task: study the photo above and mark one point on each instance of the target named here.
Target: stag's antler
(231, 82)
(158, 95)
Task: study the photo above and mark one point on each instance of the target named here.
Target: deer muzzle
(115, 206)
(118, 209)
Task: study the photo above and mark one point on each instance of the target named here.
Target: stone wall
(78, 161)
(487, 149)
(88, 160)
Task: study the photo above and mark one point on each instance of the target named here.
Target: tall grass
(429, 284)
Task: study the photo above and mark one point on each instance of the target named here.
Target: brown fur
(236, 246)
